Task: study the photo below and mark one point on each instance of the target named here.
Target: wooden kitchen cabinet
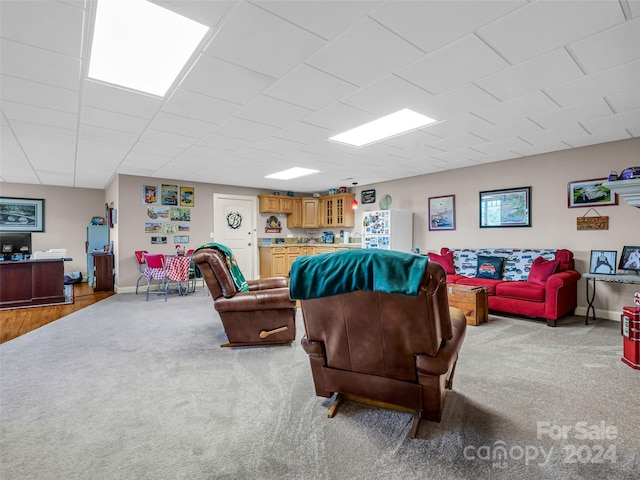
(294, 219)
(275, 204)
(310, 213)
(276, 261)
(337, 211)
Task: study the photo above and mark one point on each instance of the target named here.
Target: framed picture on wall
(603, 262)
(187, 197)
(442, 213)
(150, 194)
(21, 214)
(505, 208)
(169, 195)
(590, 193)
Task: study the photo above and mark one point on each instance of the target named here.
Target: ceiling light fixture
(391, 125)
(140, 45)
(294, 172)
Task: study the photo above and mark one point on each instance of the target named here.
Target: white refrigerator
(388, 230)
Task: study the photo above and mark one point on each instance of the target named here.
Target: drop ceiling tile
(544, 148)
(601, 138)
(277, 145)
(43, 116)
(304, 133)
(432, 25)
(364, 54)
(501, 146)
(310, 88)
(97, 117)
(460, 101)
(58, 178)
(462, 156)
(167, 122)
(271, 111)
(39, 65)
(547, 70)
(572, 115)
(94, 151)
(387, 95)
(14, 165)
(169, 139)
(45, 24)
(615, 46)
(458, 125)
(226, 81)
(602, 84)
(625, 101)
(505, 130)
(211, 153)
(437, 73)
(540, 27)
(223, 142)
(634, 7)
(517, 108)
(557, 135)
(339, 117)
(49, 154)
(164, 152)
(47, 132)
(200, 107)
(32, 93)
(206, 13)
(116, 99)
(457, 142)
(325, 19)
(260, 41)
(614, 123)
(108, 136)
(411, 139)
(245, 129)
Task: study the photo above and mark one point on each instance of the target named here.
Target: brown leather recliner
(265, 315)
(386, 349)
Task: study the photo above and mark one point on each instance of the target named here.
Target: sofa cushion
(490, 267)
(445, 260)
(488, 284)
(565, 257)
(542, 269)
(521, 291)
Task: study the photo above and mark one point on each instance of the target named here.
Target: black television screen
(15, 242)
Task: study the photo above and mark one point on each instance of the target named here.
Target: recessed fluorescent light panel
(292, 173)
(140, 45)
(394, 124)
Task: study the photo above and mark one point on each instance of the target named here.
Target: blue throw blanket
(359, 269)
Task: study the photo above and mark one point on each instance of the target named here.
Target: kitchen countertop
(337, 245)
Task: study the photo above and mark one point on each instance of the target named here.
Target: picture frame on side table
(590, 193)
(603, 262)
(509, 207)
(442, 212)
(21, 214)
(630, 258)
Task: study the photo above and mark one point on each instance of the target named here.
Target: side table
(598, 277)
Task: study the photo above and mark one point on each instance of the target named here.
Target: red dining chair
(156, 272)
(141, 264)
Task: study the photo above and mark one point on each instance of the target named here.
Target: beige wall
(553, 223)
(69, 210)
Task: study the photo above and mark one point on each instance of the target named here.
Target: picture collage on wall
(168, 212)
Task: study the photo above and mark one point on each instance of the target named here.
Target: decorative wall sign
(178, 239)
(158, 213)
(169, 228)
(180, 214)
(234, 220)
(597, 222)
(150, 194)
(186, 197)
(368, 196)
(273, 225)
(158, 240)
(169, 194)
(153, 227)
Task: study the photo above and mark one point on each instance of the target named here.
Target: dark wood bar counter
(31, 282)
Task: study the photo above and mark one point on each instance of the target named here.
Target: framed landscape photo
(630, 259)
(590, 193)
(505, 208)
(603, 262)
(21, 214)
(442, 213)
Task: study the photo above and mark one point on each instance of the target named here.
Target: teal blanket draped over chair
(358, 269)
(236, 274)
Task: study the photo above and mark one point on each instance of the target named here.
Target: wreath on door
(234, 220)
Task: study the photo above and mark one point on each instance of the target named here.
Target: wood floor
(14, 323)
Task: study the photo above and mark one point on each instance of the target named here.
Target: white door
(234, 225)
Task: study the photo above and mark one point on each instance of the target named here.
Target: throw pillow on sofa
(445, 260)
(490, 267)
(541, 270)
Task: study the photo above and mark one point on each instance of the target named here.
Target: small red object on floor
(630, 326)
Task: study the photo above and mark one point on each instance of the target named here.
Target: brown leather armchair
(265, 315)
(385, 349)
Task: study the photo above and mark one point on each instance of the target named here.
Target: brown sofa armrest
(448, 354)
(273, 299)
(267, 283)
(312, 347)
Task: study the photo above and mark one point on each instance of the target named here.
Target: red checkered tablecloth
(178, 268)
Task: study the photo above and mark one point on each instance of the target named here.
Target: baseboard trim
(605, 314)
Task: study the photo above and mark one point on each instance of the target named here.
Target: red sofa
(540, 283)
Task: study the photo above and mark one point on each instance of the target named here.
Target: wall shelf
(627, 189)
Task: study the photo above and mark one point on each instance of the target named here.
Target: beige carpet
(129, 389)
